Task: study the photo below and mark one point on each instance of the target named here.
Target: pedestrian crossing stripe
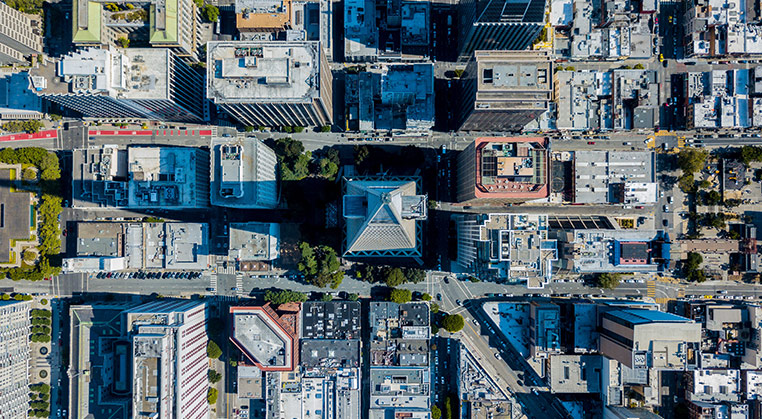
(651, 288)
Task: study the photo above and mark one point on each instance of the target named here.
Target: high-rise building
(172, 24)
(20, 35)
(503, 170)
(140, 83)
(391, 97)
(499, 25)
(382, 216)
(14, 353)
(276, 83)
(169, 361)
(244, 174)
(505, 90)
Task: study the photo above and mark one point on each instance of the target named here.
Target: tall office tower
(172, 24)
(142, 83)
(499, 25)
(244, 174)
(14, 359)
(169, 361)
(20, 35)
(274, 83)
(505, 90)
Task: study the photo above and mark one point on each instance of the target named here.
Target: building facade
(14, 353)
(505, 90)
(276, 83)
(20, 35)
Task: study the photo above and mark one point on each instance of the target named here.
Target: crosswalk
(239, 284)
(651, 288)
(213, 282)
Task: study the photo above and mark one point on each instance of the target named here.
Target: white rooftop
(275, 71)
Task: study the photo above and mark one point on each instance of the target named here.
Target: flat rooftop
(262, 339)
(511, 167)
(276, 71)
(254, 241)
(326, 353)
(331, 320)
(244, 173)
(167, 177)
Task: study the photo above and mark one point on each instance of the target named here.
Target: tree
(705, 184)
(426, 297)
(639, 66)
(734, 235)
(691, 159)
(326, 297)
(30, 174)
(750, 153)
(284, 296)
(414, 275)
(400, 296)
(691, 266)
(608, 280)
(214, 376)
(394, 277)
(211, 395)
(210, 13)
(712, 198)
(327, 168)
(353, 297)
(123, 42)
(686, 183)
(248, 128)
(325, 128)
(298, 129)
(320, 266)
(213, 350)
(435, 412)
(434, 308)
(458, 73)
(361, 153)
(453, 323)
(434, 329)
(307, 264)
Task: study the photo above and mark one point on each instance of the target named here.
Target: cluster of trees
(320, 266)
(30, 126)
(453, 323)
(45, 161)
(690, 160)
(17, 297)
(210, 12)
(284, 296)
(40, 394)
(294, 162)
(400, 296)
(712, 197)
(41, 320)
(391, 276)
(123, 42)
(716, 220)
(608, 280)
(27, 6)
(692, 267)
(750, 153)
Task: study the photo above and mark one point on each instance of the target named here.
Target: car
(666, 208)
(665, 222)
(210, 289)
(474, 321)
(661, 58)
(458, 302)
(722, 292)
(439, 297)
(497, 355)
(591, 142)
(670, 199)
(661, 194)
(638, 207)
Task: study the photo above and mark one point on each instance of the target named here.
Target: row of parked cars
(148, 275)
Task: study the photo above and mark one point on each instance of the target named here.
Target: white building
(169, 361)
(20, 35)
(136, 83)
(275, 83)
(14, 359)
